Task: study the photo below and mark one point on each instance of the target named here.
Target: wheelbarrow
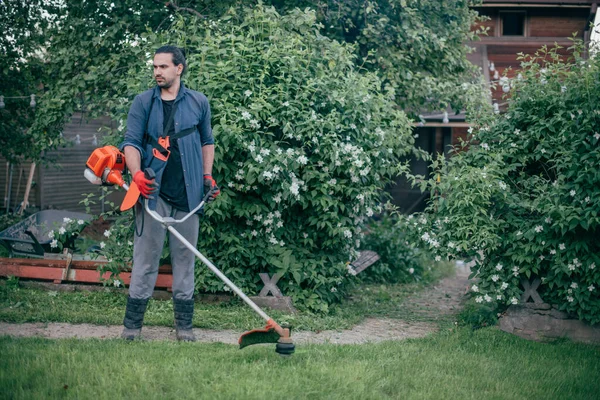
(30, 236)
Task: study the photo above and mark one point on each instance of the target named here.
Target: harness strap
(160, 146)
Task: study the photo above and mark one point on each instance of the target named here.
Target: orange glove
(209, 184)
(146, 186)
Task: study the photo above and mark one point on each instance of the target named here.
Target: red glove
(209, 184)
(146, 186)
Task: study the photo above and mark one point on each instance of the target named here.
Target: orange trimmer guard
(271, 333)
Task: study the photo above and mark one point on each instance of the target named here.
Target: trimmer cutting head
(271, 333)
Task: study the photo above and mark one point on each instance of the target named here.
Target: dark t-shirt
(172, 188)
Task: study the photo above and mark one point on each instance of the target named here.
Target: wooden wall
(59, 183)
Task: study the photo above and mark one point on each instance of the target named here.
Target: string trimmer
(106, 165)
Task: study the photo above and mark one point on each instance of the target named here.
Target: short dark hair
(177, 54)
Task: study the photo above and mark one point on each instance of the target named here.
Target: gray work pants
(147, 250)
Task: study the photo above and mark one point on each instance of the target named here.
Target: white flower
(574, 285)
(302, 160)
(591, 288)
(351, 270)
(129, 243)
(479, 299)
(572, 193)
(80, 222)
(562, 246)
(54, 243)
(474, 288)
(286, 103)
(411, 271)
(332, 181)
(514, 300)
(347, 233)
(487, 298)
(62, 230)
(517, 131)
(519, 233)
(485, 146)
(354, 179)
(226, 288)
(470, 130)
(294, 188)
(107, 233)
(570, 299)
(502, 185)
(499, 267)
(553, 252)
(592, 265)
(504, 286)
(246, 115)
(548, 220)
(51, 234)
(254, 124)
(499, 297)
(254, 233)
(268, 175)
(563, 89)
(495, 278)
(438, 258)
(67, 220)
(539, 228)
(281, 243)
(259, 159)
(102, 245)
(571, 267)
(248, 93)
(277, 198)
(352, 126)
(116, 283)
(587, 199)
(597, 136)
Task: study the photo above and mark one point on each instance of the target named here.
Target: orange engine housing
(106, 157)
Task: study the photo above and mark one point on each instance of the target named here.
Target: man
(168, 130)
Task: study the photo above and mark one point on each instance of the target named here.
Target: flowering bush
(524, 200)
(304, 146)
(64, 236)
(401, 260)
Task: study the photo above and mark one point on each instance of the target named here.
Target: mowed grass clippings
(458, 364)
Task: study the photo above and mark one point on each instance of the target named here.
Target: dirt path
(437, 303)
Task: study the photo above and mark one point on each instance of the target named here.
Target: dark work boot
(184, 312)
(134, 317)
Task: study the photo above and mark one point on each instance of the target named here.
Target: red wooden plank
(54, 273)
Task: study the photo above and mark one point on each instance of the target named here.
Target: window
(513, 23)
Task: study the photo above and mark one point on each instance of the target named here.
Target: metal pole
(219, 274)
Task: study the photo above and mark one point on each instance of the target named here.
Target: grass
(107, 307)
(455, 364)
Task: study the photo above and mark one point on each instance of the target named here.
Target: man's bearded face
(165, 72)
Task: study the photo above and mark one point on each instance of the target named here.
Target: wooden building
(57, 183)
(521, 26)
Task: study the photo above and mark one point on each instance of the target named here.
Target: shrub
(401, 260)
(524, 199)
(305, 144)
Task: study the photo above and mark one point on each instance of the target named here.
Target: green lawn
(456, 364)
(19, 304)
